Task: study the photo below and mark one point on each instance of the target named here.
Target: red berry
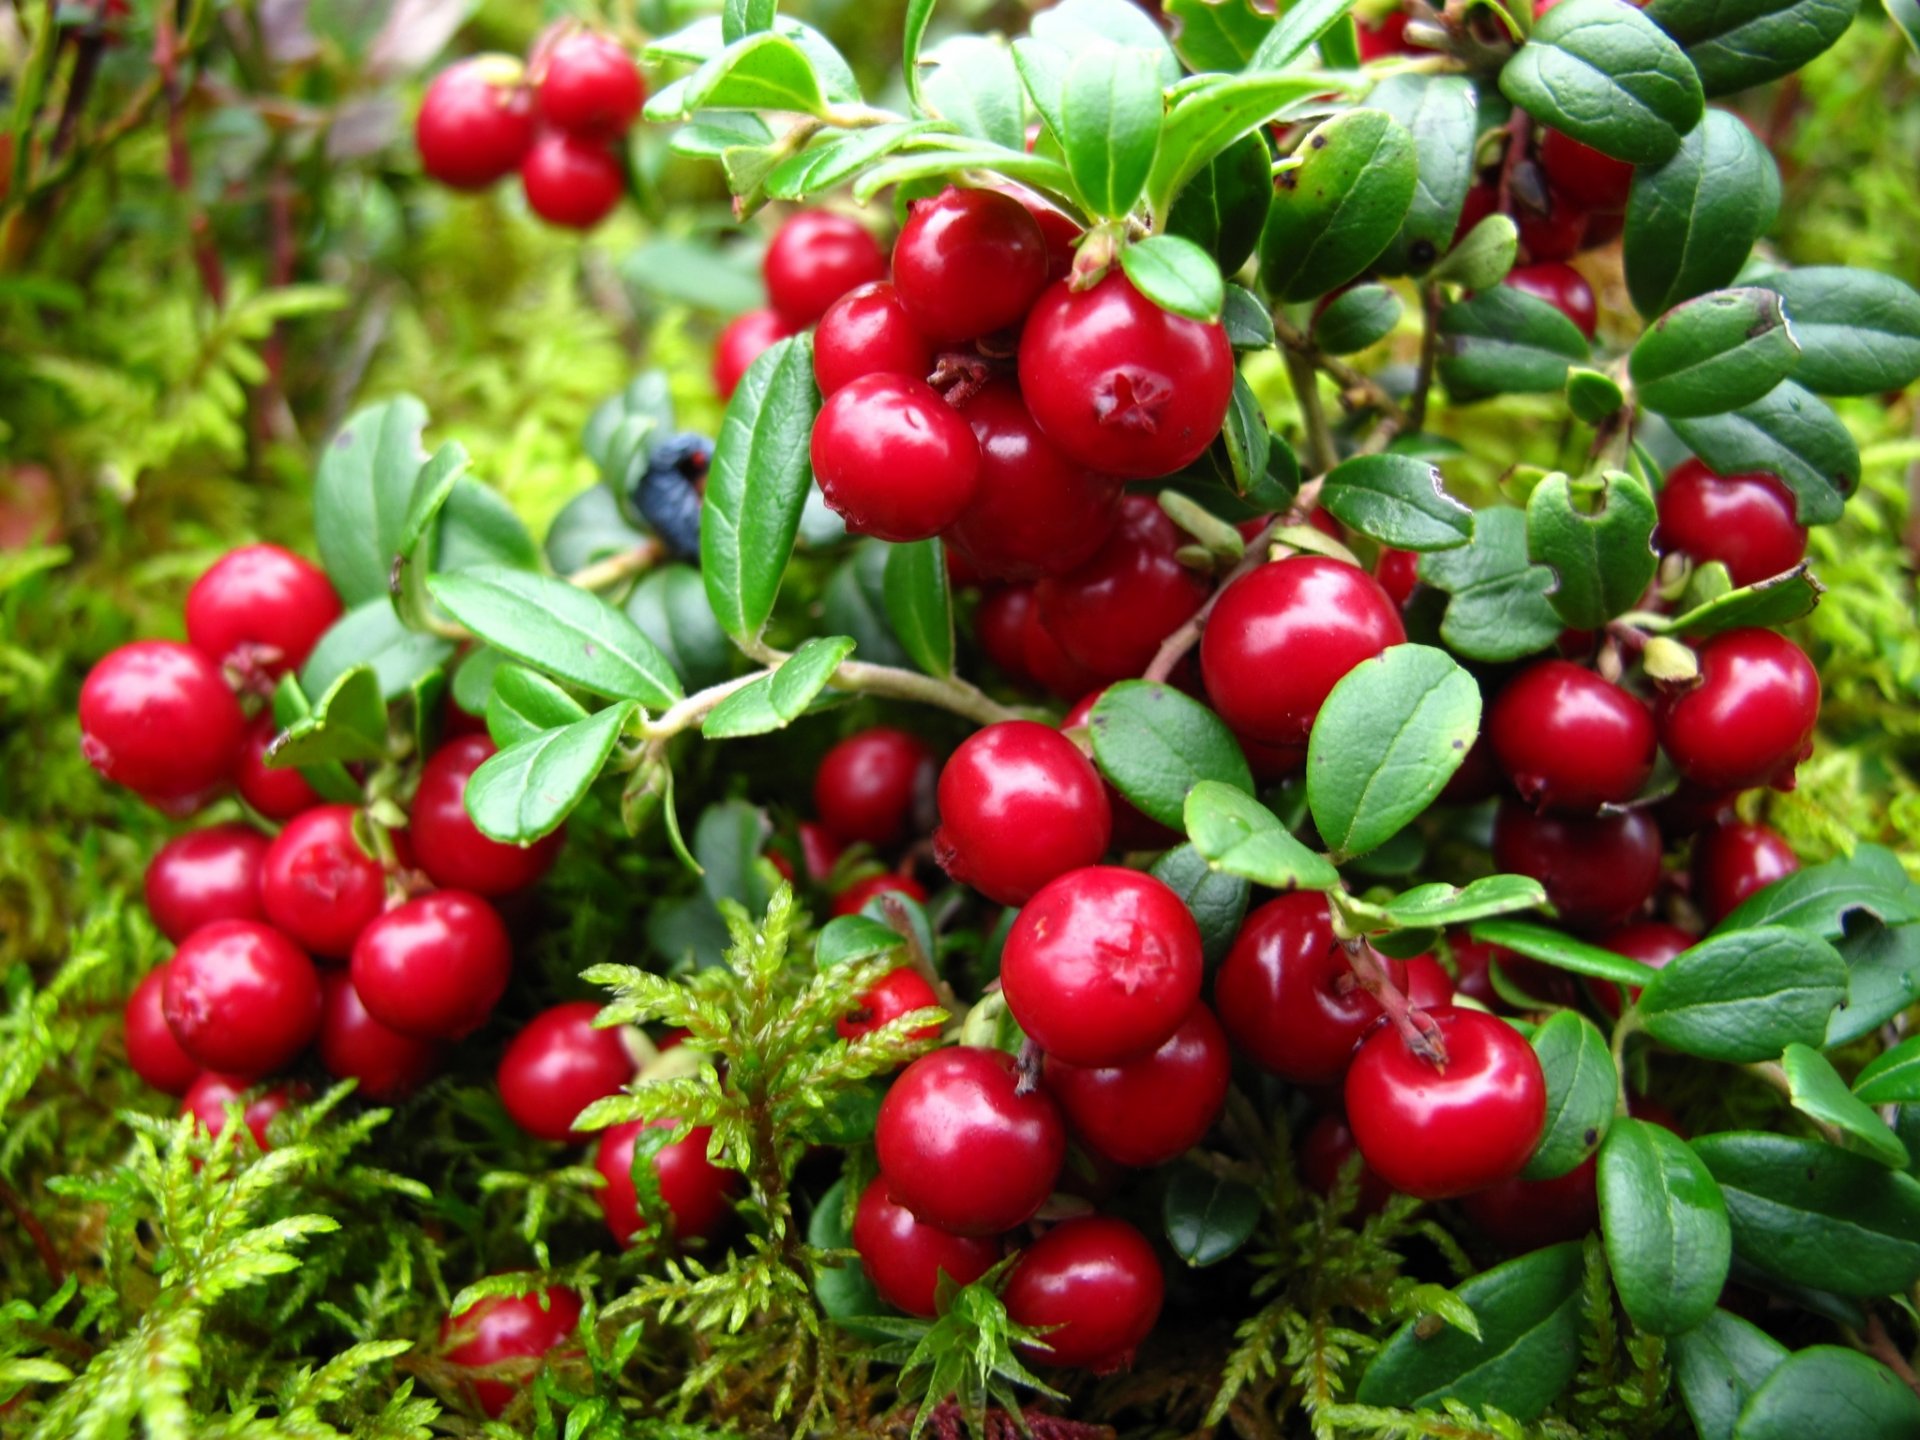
(476, 122)
(1121, 385)
(1733, 861)
(1569, 740)
(1398, 571)
(1102, 966)
(1477, 779)
(1596, 871)
(504, 1328)
(1436, 1132)
(1472, 963)
(588, 85)
(1562, 287)
(1019, 806)
(1521, 1215)
(905, 1258)
(355, 1046)
(740, 345)
(1272, 763)
(1749, 720)
(1746, 522)
(1153, 1109)
(260, 606)
(206, 875)
(1324, 1154)
(867, 332)
(1483, 199)
(317, 883)
(1651, 942)
(435, 967)
(898, 992)
(696, 1190)
(1589, 179)
(819, 851)
(558, 1064)
(815, 259)
(1287, 995)
(893, 459)
(571, 182)
(960, 1146)
(241, 997)
(208, 1096)
(1096, 1279)
(1033, 512)
(1111, 614)
(1281, 637)
(450, 847)
(1049, 665)
(1428, 983)
(159, 719)
(867, 786)
(277, 792)
(1060, 230)
(152, 1051)
(856, 897)
(968, 263)
(1386, 39)
(1000, 622)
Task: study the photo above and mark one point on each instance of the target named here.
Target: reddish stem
(1417, 1028)
(36, 1232)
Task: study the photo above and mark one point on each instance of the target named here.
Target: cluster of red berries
(558, 119)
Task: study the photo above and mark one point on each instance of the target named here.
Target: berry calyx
(905, 1258)
(260, 608)
(159, 719)
(1019, 806)
(1153, 1109)
(475, 123)
(571, 182)
(206, 875)
(898, 992)
(1110, 615)
(559, 1063)
(152, 1051)
(1749, 721)
(504, 1328)
(867, 786)
(893, 459)
(814, 259)
(241, 998)
(1746, 522)
(449, 846)
(1562, 287)
(968, 263)
(1597, 871)
(857, 896)
(740, 344)
(588, 86)
(276, 792)
(354, 1046)
(319, 885)
(435, 967)
(1734, 861)
(867, 332)
(1098, 1281)
(208, 1096)
(696, 1190)
(1569, 740)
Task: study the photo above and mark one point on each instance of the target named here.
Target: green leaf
(1155, 745)
(1815, 1215)
(1072, 26)
(691, 272)
(1249, 325)
(919, 15)
(361, 491)
(670, 607)
(1714, 353)
(1788, 433)
(590, 528)
(331, 780)
(1208, 1217)
(1245, 439)
(1339, 206)
(1218, 901)
(478, 528)
(1432, 906)
(1484, 255)
(1528, 1350)
(1608, 76)
(767, 71)
(371, 634)
(1859, 330)
(1177, 275)
(1356, 318)
(1110, 115)
(1215, 115)
(525, 791)
(1441, 112)
(1883, 965)
(1718, 1365)
(1906, 15)
(1504, 341)
(431, 487)
(757, 486)
(919, 604)
(1771, 603)
(776, 699)
(1746, 996)
(1692, 220)
(944, 163)
(524, 703)
(1593, 395)
(974, 85)
(1736, 46)
(1834, 1393)
(841, 157)
(1819, 898)
(558, 628)
(1583, 1090)
(1386, 741)
(348, 724)
(1217, 34)
(1600, 550)
(1238, 835)
(1297, 30)
(1669, 1242)
(745, 17)
(1497, 606)
(1818, 1091)
(1892, 1078)
(1563, 952)
(1397, 500)
(847, 938)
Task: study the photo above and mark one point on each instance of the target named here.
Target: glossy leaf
(1859, 331)
(1442, 114)
(1484, 255)
(590, 528)
(348, 723)
(330, 779)
(1506, 342)
(1893, 1078)
(1176, 275)
(840, 158)
(1217, 34)
(1883, 971)
(1238, 835)
(1295, 33)
(1249, 325)
(1819, 1092)
(1110, 116)
(1772, 603)
(1583, 1090)
(524, 703)
(1156, 744)
(1218, 111)
(1734, 47)
(1692, 219)
(1223, 207)
(1714, 353)
(1218, 901)
(670, 607)
(1608, 76)
(1593, 395)
(361, 491)
(1336, 209)
(1431, 906)
(1244, 439)
(1076, 25)
(1789, 433)
(1718, 1365)
(526, 790)
(776, 699)
(920, 605)
(1208, 1217)
(1398, 501)
(1819, 898)
(1746, 996)
(974, 85)
(847, 938)
(1563, 952)
(371, 634)
(856, 605)
(1356, 318)
(1497, 606)
(1599, 547)
(1835, 1393)
(1669, 1242)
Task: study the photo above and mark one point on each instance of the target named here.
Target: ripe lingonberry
(558, 1064)
(588, 85)
(816, 258)
(261, 608)
(1059, 229)
(476, 122)
(1019, 806)
(1733, 861)
(1555, 233)
(504, 1328)
(968, 263)
(209, 1095)
(893, 459)
(206, 875)
(740, 345)
(1439, 1132)
(1651, 942)
(696, 1190)
(1154, 1109)
(1562, 287)
(819, 851)
(354, 1045)
(1521, 1215)
(1111, 614)
(1749, 720)
(319, 885)
(1585, 176)
(1478, 777)
(277, 792)
(1324, 1155)
(905, 1258)
(1050, 666)
(1472, 964)
(1597, 871)
(450, 847)
(1272, 763)
(1096, 1279)
(159, 719)
(1000, 623)
(867, 786)
(1287, 995)
(1398, 571)
(242, 998)
(855, 898)
(1121, 385)
(898, 992)
(152, 1050)
(1428, 983)
(1569, 740)
(1386, 38)
(1746, 522)
(1282, 636)
(571, 182)
(960, 1146)
(434, 967)
(867, 332)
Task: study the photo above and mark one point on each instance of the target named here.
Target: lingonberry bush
(1083, 864)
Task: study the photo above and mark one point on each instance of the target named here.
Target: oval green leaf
(1238, 835)
(1218, 901)
(1339, 206)
(1735, 46)
(1177, 275)
(1892, 1078)
(1833, 1393)
(1669, 1243)
(1819, 898)
(919, 603)
(1563, 952)
(1208, 1217)
(781, 696)
(1223, 207)
(1859, 331)
(1600, 549)
(1506, 342)
(1789, 433)
(1718, 1365)
(1692, 220)
(670, 607)
(1396, 500)
(1746, 996)
(1583, 1091)
(1356, 318)
(1818, 1091)
(526, 790)
(1110, 115)
(361, 492)
(1432, 906)
(1441, 112)
(1156, 744)
(1714, 353)
(524, 703)
(1497, 606)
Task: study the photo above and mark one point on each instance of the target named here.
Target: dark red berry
(159, 719)
(1111, 614)
(260, 607)
(1060, 230)
(1154, 1109)
(1521, 1215)
(206, 875)
(476, 122)
(1324, 1156)
(1435, 1132)
(1562, 287)
(1734, 861)
(1386, 39)
(319, 885)
(1483, 199)
(867, 786)
(502, 1329)
(1019, 806)
(960, 1146)
(905, 1258)
(1596, 871)
(740, 345)
(696, 1190)
(867, 332)
(588, 85)
(968, 263)
(434, 967)
(1428, 983)
(1746, 522)
(276, 792)
(1281, 637)
(1749, 720)
(1102, 966)
(1569, 740)
(1651, 942)
(242, 998)
(355, 1046)
(1000, 622)
(898, 992)
(152, 1051)
(816, 258)
(1272, 763)
(571, 182)
(1098, 1281)
(819, 851)
(857, 896)
(1557, 233)
(209, 1095)
(1049, 665)
(1121, 385)
(1478, 777)
(1472, 965)
(450, 847)
(1589, 179)
(1398, 571)
(558, 1064)
(893, 459)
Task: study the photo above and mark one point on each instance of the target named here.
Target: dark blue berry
(668, 495)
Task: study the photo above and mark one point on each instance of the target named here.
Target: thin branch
(1429, 356)
(1358, 389)
(1321, 450)
(1417, 1028)
(1188, 635)
(603, 574)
